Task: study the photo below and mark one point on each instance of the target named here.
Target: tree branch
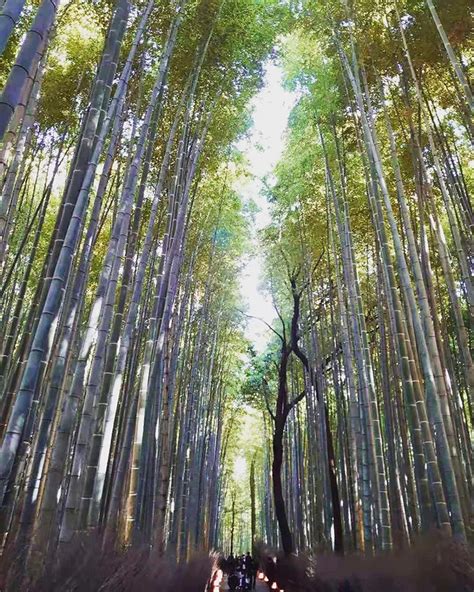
(267, 402)
(278, 311)
(296, 400)
(265, 322)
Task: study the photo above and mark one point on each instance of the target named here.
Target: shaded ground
(433, 564)
(260, 587)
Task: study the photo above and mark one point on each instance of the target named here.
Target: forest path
(259, 586)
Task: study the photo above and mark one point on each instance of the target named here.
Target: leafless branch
(280, 316)
(306, 283)
(287, 263)
(265, 322)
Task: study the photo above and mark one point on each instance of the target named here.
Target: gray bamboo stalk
(100, 320)
(466, 275)
(25, 61)
(90, 135)
(11, 11)
(452, 56)
(355, 82)
(431, 384)
(143, 435)
(117, 472)
(174, 256)
(177, 213)
(355, 306)
(348, 362)
(461, 331)
(60, 371)
(43, 336)
(420, 430)
(9, 196)
(426, 319)
(131, 319)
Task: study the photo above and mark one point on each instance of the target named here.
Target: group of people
(242, 572)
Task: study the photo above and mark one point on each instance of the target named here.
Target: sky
(262, 148)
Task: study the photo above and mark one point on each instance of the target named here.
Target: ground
(259, 588)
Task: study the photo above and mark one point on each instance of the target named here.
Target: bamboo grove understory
(126, 378)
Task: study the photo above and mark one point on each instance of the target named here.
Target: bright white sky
(262, 148)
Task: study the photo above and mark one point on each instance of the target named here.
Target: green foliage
(72, 57)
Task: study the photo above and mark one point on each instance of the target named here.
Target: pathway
(260, 587)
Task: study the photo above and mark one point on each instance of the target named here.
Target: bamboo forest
(236, 295)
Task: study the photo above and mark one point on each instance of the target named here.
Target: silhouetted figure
(244, 581)
(348, 586)
(230, 564)
(270, 571)
(253, 573)
(233, 581)
(222, 563)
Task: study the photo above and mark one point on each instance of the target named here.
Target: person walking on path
(230, 564)
(270, 571)
(253, 573)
